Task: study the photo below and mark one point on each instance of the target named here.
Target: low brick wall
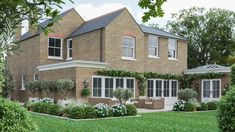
(108, 101)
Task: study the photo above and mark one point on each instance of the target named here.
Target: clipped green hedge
(226, 111)
(212, 105)
(131, 110)
(14, 118)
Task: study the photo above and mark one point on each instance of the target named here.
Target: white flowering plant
(102, 110)
(179, 105)
(119, 110)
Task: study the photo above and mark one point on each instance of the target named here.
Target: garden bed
(66, 118)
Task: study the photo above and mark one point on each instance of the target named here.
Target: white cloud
(89, 11)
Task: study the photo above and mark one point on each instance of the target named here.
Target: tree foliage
(154, 8)
(210, 34)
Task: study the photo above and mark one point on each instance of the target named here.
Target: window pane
(166, 88)
(150, 88)
(70, 44)
(57, 52)
(97, 87)
(216, 89)
(130, 84)
(152, 41)
(51, 52)
(119, 83)
(173, 88)
(70, 53)
(108, 87)
(58, 43)
(158, 88)
(153, 51)
(206, 89)
(51, 42)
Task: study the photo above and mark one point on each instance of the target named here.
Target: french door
(211, 90)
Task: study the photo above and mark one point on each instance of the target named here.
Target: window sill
(129, 59)
(173, 59)
(153, 57)
(55, 58)
(68, 59)
(22, 89)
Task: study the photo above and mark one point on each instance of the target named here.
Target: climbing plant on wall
(233, 75)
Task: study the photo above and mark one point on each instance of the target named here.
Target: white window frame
(211, 90)
(61, 49)
(68, 50)
(162, 90)
(23, 81)
(114, 85)
(133, 47)
(175, 49)
(156, 46)
(34, 76)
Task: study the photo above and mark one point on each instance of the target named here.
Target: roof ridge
(105, 14)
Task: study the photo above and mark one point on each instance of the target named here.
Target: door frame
(211, 90)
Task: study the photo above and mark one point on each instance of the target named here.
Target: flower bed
(82, 111)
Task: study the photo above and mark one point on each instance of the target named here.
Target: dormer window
(55, 48)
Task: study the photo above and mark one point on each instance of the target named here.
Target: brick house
(77, 49)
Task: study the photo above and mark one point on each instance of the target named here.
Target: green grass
(155, 122)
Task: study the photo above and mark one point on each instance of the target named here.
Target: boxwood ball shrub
(131, 110)
(102, 110)
(179, 105)
(89, 112)
(203, 107)
(119, 110)
(226, 111)
(77, 112)
(212, 105)
(14, 118)
(188, 106)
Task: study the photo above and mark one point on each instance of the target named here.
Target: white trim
(114, 85)
(215, 70)
(22, 83)
(156, 46)
(69, 58)
(153, 57)
(128, 58)
(61, 49)
(70, 64)
(134, 48)
(211, 90)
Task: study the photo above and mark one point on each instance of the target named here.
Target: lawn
(156, 122)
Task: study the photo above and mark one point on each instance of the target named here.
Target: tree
(122, 94)
(210, 34)
(154, 8)
(13, 12)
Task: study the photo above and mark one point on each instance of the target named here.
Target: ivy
(185, 81)
(233, 75)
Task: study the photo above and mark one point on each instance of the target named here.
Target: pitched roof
(208, 68)
(159, 32)
(42, 24)
(96, 23)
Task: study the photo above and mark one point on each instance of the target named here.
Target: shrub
(194, 102)
(40, 107)
(122, 94)
(86, 92)
(89, 112)
(54, 109)
(212, 105)
(189, 106)
(226, 111)
(203, 107)
(179, 105)
(77, 112)
(131, 110)
(28, 105)
(186, 94)
(14, 118)
(102, 110)
(119, 110)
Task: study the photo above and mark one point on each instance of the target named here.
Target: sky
(89, 9)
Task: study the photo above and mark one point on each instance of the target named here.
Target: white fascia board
(215, 70)
(70, 64)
